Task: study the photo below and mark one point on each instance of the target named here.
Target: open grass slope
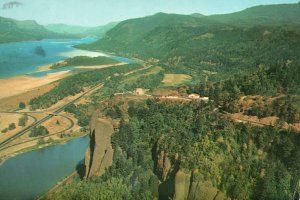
(176, 79)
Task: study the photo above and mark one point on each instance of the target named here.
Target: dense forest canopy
(242, 161)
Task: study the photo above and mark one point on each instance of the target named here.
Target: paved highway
(22, 132)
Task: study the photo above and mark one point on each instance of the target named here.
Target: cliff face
(99, 155)
(166, 166)
(187, 187)
(177, 184)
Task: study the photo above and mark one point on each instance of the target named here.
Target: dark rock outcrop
(187, 187)
(166, 165)
(99, 155)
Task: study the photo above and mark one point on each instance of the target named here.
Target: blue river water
(29, 175)
(21, 57)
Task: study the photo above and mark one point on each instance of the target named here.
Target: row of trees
(74, 84)
(10, 127)
(84, 61)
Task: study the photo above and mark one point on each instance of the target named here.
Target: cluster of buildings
(198, 97)
(190, 97)
(143, 92)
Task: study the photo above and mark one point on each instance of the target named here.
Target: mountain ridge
(81, 31)
(262, 15)
(206, 43)
(16, 30)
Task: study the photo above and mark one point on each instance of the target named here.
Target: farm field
(176, 79)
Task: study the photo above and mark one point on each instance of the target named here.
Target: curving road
(22, 132)
(57, 111)
(36, 138)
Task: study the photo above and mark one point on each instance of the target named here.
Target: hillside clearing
(176, 79)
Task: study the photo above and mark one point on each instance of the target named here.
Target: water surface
(22, 58)
(29, 175)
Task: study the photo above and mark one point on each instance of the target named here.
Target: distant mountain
(80, 31)
(197, 15)
(134, 31)
(281, 14)
(14, 31)
(226, 44)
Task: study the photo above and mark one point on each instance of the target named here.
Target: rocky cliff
(179, 184)
(189, 187)
(99, 155)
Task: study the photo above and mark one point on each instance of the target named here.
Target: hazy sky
(99, 12)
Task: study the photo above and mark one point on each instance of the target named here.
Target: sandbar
(82, 53)
(20, 84)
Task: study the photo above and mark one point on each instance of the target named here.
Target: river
(21, 58)
(29, 175)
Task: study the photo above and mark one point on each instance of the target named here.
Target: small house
(205, 99)
(140, 91)
(194, 96)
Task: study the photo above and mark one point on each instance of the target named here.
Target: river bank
(17, 59)
(32, 174)
(41, 146)
(64, 181)
(20, 84)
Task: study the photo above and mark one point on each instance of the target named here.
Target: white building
(140, 91)
(194, 96)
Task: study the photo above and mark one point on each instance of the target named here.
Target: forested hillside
(226, 44)
(180, 149)
(14, 31)
(279, 82)
(282, 14)
(163, 141)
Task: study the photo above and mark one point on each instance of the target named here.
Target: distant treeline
(84, 61)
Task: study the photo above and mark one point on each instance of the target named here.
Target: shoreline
(37, 147)
(60, 183)
(21, 84)
(68, 54)
(43, 68)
